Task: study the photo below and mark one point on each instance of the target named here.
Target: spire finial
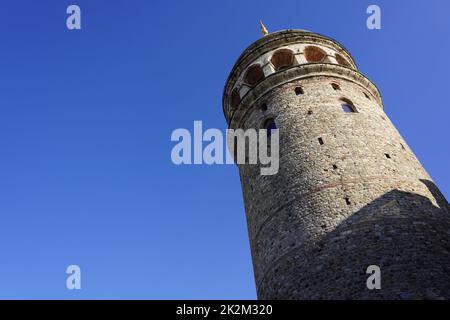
(263, 28)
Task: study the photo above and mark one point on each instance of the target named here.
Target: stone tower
(349, 193)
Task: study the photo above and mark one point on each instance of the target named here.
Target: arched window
(347, 106)
(235, 98)
(341, 60)
(314, 54)
(282, 59)
(254, 75)
(270, 125)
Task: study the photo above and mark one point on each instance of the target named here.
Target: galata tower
(349, 194)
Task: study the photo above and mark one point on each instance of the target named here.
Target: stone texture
(359, 199)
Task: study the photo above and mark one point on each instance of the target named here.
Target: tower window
(347, 201)
(254, 75)
(264, 107)
(341, 60)
(387, 155)
(367, 96)
(299, 91)
(314, 54)
(310, 112)
(336, 87)
(282, 59)
(270, 125)
(335, 167)
(347, 106)
(321, 141)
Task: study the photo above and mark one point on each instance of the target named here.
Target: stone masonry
(349, 193)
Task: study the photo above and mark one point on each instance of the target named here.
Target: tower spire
(263, 28)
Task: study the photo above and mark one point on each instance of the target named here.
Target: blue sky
(86, 117)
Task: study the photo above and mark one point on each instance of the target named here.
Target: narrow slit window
(321, 141)
(335, 86)
(347, 201)
(387, 155)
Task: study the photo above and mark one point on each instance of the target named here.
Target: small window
(335, 167)
(310, 112)
(270, 125)
(336, 87)
(347, 201)
(264, 107)
(321, 141)
(299, 91)
(367, 96)
(387, 155)
(403, 147)
(347, 106)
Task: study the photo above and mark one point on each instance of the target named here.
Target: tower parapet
(282, 50)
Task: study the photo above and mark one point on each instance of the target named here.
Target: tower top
(284, 56)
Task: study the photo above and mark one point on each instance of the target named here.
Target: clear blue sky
(86, 116)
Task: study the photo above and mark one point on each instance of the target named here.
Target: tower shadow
(403, 233)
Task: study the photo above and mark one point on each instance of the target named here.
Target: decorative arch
(254, 75)
(282, 59)
(341, 60)
(314, 54)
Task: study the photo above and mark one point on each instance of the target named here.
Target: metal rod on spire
(263, 28)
